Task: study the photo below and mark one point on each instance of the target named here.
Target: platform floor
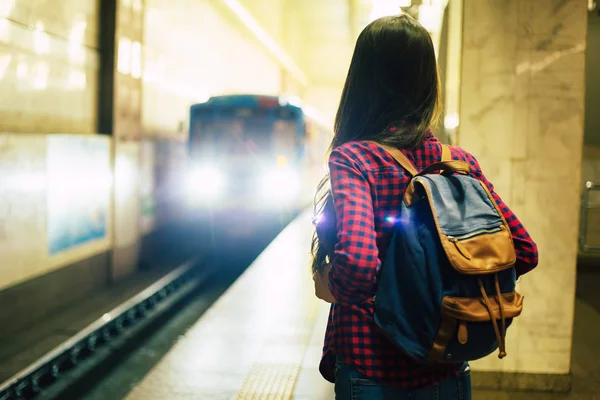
(262, 339)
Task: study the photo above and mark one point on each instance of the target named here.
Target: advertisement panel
(78, 191)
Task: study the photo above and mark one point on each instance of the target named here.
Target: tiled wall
(522, 103)
(23, 244)
(194, 49)
(48, 65)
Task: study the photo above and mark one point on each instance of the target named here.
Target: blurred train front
(252, 159)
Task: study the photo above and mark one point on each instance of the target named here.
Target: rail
(113, 325)
(589, 233)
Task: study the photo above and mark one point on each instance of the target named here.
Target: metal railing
(589, 232)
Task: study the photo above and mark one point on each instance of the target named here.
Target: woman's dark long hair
(393, 81)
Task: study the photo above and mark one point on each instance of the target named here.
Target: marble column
(521, 115)
(127, 134)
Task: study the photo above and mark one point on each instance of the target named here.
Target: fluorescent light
(251, 23)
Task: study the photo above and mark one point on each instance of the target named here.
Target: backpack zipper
(476, 233)
(462, 251)
(457, 239)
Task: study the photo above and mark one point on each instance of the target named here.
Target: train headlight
(206, 183)
(280, 184)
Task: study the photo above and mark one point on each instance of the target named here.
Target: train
(253, 155)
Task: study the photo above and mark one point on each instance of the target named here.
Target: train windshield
(242, 132)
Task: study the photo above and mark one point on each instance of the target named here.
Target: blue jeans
(351, 385)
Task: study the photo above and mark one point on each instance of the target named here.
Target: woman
(391, 97)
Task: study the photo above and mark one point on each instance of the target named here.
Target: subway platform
(262, 339)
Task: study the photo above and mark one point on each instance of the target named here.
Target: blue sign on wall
(78, 189)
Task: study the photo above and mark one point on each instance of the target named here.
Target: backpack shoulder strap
(401, 159)
(446, 156)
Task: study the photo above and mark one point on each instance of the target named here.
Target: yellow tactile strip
(276, 381)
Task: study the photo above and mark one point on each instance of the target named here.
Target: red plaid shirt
(368, 186)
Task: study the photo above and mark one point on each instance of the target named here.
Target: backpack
(446, 290)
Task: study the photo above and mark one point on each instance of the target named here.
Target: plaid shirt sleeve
(355, 260)
(525, 247)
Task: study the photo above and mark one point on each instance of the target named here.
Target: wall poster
(79, 190)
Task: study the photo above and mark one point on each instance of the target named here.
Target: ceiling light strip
(250, 22)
